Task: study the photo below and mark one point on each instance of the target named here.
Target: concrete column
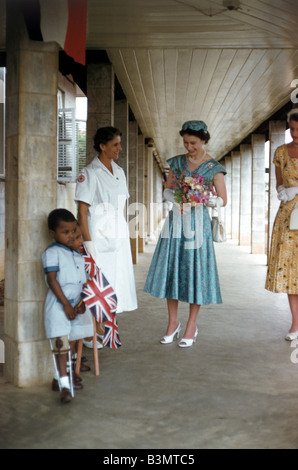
(158, 195)
(228, 208)
(31, 175)
(245, 195)
(145, 181)
(133, 189)
(141, 193)
(2, 166)
(155, 201)
(2, 229)
(150, 193)
(235, 194)
(276, 137)
(258, 195)
(100, 93)
(121, 122)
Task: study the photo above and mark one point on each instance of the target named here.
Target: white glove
(281, 193)
(215, 201)
(91, 248)
(280, 188)
(292, 192)
(169, 195)
(286, 194)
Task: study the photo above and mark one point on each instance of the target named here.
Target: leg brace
(60, 346)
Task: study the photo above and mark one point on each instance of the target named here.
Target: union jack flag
(111, 336)
(100, 298)
(90, 266)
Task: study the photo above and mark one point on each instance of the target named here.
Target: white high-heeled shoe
(186, 343)
(167, 339)
(292, 336)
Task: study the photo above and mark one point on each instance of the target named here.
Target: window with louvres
(71, 145)
(67, 158)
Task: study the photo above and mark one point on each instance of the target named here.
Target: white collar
(99, 165)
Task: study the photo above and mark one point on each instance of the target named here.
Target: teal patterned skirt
(180, 269)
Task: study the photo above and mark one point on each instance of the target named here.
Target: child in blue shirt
(65, 275)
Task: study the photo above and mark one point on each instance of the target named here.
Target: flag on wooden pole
(100, 298)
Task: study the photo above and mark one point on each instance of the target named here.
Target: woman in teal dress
(183, 266)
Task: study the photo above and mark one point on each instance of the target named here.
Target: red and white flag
(63, 21)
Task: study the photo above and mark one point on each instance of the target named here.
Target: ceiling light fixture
(230, 5)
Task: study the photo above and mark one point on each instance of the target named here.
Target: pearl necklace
(196, 162)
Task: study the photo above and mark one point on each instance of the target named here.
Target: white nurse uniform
(106, 194)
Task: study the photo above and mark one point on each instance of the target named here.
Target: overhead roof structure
(231, 63)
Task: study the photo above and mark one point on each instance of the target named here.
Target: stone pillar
(133, 189)
(2, 229)
(158, 195)
(235, 194)
(31, 176)
(155, 201)
(150, 193)
(258, 195)
(245, 195)
(141, 193)
(121, 122)
(100, 94)
(228, 207)
(145, 181)
(276, 137)
(2, 171)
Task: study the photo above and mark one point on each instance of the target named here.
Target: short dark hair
(201, 134)
(104, 135)
(59, 215)
(294, 117)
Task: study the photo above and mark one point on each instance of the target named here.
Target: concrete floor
(236, 388)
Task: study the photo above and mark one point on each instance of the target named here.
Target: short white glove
(286, 194)
(280, 188)
(169, 195)
(281, 193)
(292, 192)
(91, 248)
(215, 201)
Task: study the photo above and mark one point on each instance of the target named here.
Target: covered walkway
(236, 388)
(146, 67)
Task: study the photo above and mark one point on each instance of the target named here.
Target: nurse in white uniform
(101, 194)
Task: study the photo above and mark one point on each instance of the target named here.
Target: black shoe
(65, 396)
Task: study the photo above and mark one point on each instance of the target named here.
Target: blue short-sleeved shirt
(70, 268)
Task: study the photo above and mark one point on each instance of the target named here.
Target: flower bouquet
(192, 190)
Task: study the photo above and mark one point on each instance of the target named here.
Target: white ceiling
(193, 59)
(175, 62)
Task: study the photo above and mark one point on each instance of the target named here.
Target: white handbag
(218, 229)
(294, 218)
